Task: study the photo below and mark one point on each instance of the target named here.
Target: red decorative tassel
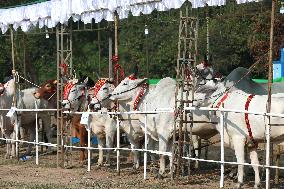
(67, 89)
(247, 121)
(140, 95)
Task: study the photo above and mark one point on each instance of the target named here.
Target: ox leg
(22, 134)
(162, 148)
(135, 145)
(101, 145)
(13, 146)
(254, 160)
(109, 144)
(32, 138)
(46, 121)
(240, 155)
(151, 146)
(83, 143)
(196, 145)
(8, 148)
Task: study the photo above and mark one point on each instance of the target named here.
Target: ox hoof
(8, 156)
(82, 163)
(238, 186)
(135, 167)
(154, 170)
(99, 164)
(256, 186)
(233, 174)
(107, 165)
(161, 176)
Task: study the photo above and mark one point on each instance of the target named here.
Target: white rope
(143, 150)
(28, 80)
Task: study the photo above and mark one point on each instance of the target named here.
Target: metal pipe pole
(222, 149)
(36, 136)
(118, 146)
(147, 51)
(89, 145)
(269, 94)
(146, 140)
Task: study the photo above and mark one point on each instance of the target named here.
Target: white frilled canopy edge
(52, 12)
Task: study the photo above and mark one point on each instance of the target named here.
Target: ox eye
(73, 90)
(124, 83)
(48, 85)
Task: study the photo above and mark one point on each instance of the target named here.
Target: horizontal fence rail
(145, 150)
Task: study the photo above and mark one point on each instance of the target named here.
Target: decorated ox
(47, 91)
(75, 98)
(134, 93)
(129, 124)
(240, 129)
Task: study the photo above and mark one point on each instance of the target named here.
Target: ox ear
(55, 82)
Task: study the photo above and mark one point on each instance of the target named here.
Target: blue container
(94, 140)
(278, 66)
(76, 140)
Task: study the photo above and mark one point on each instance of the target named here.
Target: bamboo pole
(99, 48)
(117, 77)
(15, 90)
(110, 75)
(57, 96)
(277, 163)
(269, 94)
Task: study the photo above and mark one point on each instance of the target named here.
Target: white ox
(7, 92)
(237, 126)
(102, 125)
(129, 124)
(160, 126)
(26, 120)
(76, 99)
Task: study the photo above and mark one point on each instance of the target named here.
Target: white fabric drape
(53, 12)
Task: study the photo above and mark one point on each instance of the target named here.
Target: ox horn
(55, 82)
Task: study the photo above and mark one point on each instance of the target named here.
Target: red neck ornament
(140, 95)
(132, 77)
(99, 85)
(67, 89)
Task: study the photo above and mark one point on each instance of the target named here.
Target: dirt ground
(25, 174)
